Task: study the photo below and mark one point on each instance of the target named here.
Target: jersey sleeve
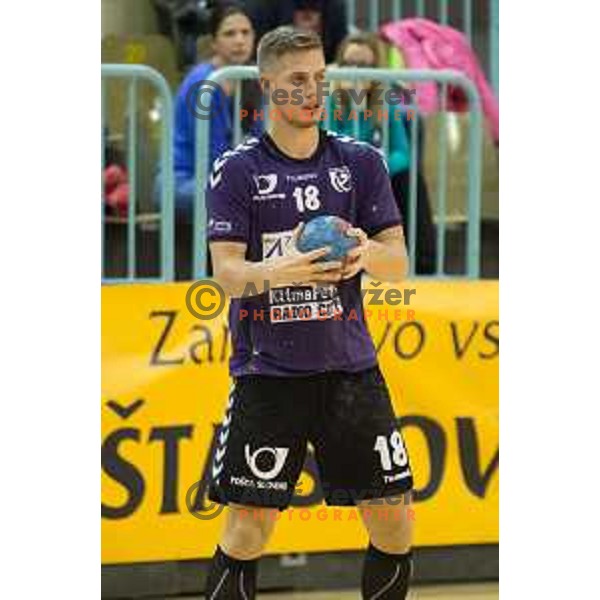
(377, 206)
(227, 201)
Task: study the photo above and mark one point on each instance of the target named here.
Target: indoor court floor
(487, 591)
(476, 591)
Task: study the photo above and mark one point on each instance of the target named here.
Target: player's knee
(393, 537)
(246, 533)
(390, 527)
(243, 540)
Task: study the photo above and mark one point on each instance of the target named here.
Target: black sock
(385, 576)
(231, 579)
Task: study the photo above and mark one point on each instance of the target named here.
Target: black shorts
(349, 420)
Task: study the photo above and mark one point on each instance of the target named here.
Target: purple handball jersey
(258, 195)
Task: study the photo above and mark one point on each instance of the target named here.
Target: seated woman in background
(232, 44)
(363, 50)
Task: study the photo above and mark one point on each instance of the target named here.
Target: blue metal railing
(494, 44)
(134, 74)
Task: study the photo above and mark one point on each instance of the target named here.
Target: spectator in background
(183, 21)
(233, 44)
(364, 50)
(233, 41)
(325, 17)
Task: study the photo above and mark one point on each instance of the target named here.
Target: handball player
(303, 370)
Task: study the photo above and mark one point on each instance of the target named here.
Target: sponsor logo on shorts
(266, 463)
(397, 477)
(280, 486)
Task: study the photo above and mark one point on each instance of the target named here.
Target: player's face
(234, 40)
(298, 74)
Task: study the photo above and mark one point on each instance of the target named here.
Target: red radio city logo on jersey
(205, 299)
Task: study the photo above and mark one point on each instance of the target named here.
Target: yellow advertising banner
(165, 386)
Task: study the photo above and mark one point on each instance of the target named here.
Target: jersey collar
(275, 151)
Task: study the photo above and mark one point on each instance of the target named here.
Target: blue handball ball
(327, 230)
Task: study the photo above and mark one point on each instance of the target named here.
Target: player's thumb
(316, 254)
(297, 232)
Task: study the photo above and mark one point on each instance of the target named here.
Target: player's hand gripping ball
(327, 230)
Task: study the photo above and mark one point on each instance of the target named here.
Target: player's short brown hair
(282, 40)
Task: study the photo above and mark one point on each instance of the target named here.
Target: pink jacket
(428, 45)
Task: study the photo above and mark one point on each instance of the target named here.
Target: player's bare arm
(383, 256)
(237, 275)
